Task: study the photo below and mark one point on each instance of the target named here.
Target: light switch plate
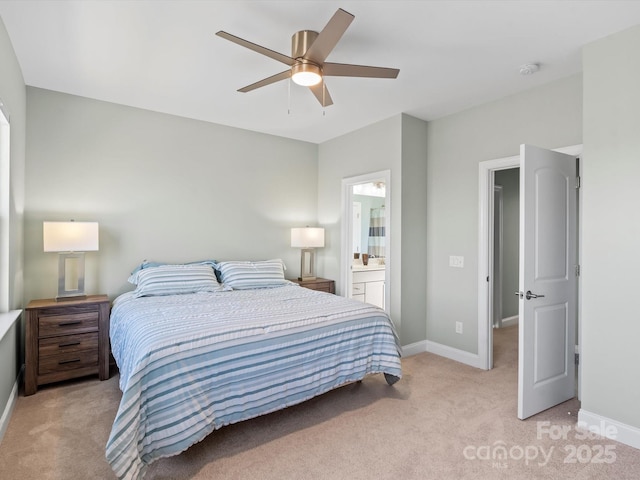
(456, 261)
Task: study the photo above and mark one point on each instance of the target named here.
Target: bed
(199, 354)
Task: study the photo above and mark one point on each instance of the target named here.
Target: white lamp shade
(307, 237)
(70, 236)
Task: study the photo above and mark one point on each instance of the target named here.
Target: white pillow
(247, 275)
(176, 280)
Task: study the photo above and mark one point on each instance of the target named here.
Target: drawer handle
(62, 362)
(68, 324)
(69, 344)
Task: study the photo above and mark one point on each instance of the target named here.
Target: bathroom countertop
(358, 267)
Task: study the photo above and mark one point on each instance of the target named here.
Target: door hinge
(577, 359)
(578, 182)
(577, 270)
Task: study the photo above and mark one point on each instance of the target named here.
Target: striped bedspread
(190, 364)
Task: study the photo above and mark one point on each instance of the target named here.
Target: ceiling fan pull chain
(324, 91)
(289, 97)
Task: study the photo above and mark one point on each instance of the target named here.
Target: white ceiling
(164, 55)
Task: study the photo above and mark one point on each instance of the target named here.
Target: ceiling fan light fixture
(306, 74)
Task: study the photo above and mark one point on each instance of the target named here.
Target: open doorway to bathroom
(366, 236)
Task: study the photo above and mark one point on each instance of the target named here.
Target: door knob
(530, 295)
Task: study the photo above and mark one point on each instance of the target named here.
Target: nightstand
(66, 339)
(320, 284)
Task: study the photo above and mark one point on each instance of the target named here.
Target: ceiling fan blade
(267, 81)
(257, 48)
(329, 37)
(322, 94)
(348, 70)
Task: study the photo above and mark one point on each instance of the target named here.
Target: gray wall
(414, 229)
(397, 144)
(611, 228)
(162, 187)
(549, 116)
(371, 149)
(510, 181)
(13, 95)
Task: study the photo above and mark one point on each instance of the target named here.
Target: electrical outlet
(459, 327)
(456, 261)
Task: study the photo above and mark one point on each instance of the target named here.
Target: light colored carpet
(441, 421)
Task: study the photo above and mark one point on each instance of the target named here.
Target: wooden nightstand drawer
(324, 288)
(68, 344)
(68, 324)
(68, 361)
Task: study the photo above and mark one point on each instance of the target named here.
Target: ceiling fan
(309, 49)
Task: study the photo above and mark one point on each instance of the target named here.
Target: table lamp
(70, 240)
(307, 239)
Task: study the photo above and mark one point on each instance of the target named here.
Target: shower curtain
(376, 233)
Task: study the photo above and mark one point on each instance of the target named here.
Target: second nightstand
(320, 284)
(66, 339)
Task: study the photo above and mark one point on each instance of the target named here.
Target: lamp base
(70, 297)
(306, 279)
(70, 276)
(307, 264)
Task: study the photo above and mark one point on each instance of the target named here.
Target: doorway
(498, 252)
(486, 286)
(506, 229)
(366, 239)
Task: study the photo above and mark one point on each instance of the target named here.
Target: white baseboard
(609, 428)
(456, 354)
(442, 350)
(414, 348)
(507, 322)
(8, 409)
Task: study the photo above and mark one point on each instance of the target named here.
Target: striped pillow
(176, 280)
(247, 275)
(133, 278)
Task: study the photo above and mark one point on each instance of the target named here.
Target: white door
(548, 283)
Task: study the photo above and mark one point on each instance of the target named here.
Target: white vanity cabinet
(368, 286)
